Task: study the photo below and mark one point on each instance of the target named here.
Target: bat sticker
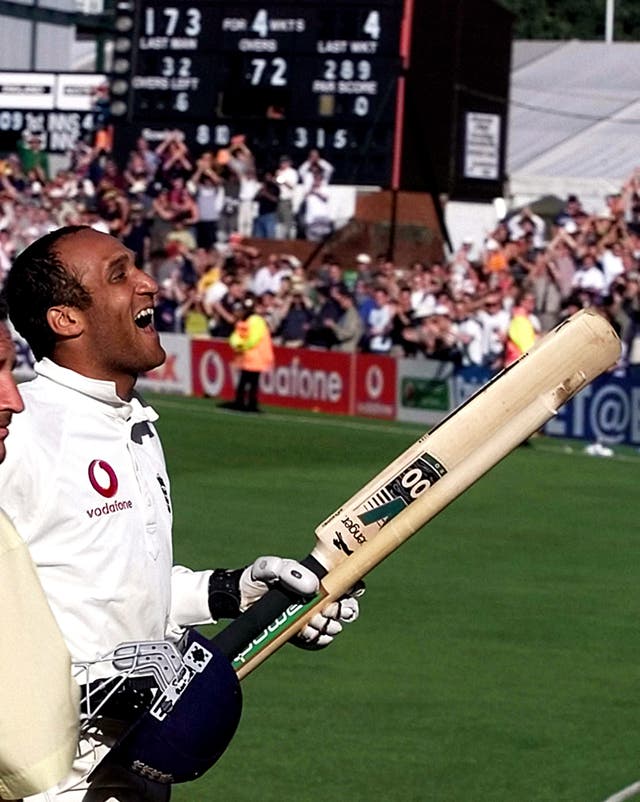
(338, 542)
(365, 519)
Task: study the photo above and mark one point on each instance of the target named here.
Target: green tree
(573, 19)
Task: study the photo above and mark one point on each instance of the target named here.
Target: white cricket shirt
(85, 483)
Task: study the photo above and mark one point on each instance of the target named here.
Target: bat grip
(240, 632)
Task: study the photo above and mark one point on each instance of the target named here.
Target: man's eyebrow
(122, 260)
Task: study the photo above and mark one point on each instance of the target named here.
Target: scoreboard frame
(288, 76)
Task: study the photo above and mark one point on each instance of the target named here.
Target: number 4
(260, 23)
(372, 25)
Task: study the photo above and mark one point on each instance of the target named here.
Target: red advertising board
(375, 386)
(307, 379)
(301, 378)
(211, 369)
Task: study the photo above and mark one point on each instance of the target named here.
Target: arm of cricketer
(427, 477)
(36, 683)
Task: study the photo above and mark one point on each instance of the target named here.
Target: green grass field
(497, 656)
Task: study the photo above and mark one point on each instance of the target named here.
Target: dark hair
(343, 291)
(37, 281)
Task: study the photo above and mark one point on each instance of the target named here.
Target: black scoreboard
(290, 77)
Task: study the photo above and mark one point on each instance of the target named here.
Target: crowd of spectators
(188, 222)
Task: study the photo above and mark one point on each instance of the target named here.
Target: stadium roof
(574, 118)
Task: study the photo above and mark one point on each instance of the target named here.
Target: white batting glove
(325, 625)
(265, 571)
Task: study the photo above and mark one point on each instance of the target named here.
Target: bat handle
(240, 632)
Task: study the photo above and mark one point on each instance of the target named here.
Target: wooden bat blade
(429, 475)
(555, 369)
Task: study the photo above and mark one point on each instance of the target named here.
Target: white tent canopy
(574, 119)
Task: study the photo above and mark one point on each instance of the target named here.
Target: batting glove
(325, 625)
(231, 592)
(265, 571)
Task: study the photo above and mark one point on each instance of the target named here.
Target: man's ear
(65, 321)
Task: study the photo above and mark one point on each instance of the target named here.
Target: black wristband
(224, 593)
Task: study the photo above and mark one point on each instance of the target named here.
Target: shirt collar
(99, 390)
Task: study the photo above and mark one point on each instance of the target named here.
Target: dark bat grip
(240, 632)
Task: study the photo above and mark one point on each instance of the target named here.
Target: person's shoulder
(42, 400)
(257, 322)
(34, 393)
(34, 432)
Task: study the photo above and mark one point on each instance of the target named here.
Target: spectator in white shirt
(612, 262)
(495, 321)
(287, 179)
(589, 276)
(379, 323)
(469, 333)
(269, 277)
(312, 164)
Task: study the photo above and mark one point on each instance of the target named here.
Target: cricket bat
(427, 477)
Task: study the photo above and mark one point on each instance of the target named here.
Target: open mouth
(144, 318)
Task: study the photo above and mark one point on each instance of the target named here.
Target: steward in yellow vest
(251, 342)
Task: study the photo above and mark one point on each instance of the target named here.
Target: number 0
(415, 482)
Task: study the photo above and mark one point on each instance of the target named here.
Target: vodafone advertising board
(322, 381)
(211, 369)
(375, 386)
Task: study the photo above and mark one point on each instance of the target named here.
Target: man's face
(334, 272)
(380, 297)
(119, 340)
(10, 400)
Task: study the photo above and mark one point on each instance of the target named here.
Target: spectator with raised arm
(207, 189)
(174, 158)
(318, 224)
(313, 166)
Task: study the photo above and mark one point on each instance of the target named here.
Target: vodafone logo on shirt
(104, 481)
(103, 478)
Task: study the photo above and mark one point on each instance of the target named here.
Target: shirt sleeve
(189, 598)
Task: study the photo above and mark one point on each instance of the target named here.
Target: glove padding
(265, 571)
(325, 625)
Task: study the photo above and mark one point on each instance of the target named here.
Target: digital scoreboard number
(289, 76)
